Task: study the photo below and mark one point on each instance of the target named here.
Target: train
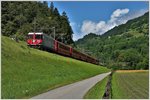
(45, 42)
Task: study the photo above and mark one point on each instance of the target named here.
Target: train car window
(64, 47)
(76, 52)
(30, 36)
(38, 36)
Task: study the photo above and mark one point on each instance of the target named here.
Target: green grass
(97, 91)
(27, 72)
(130, 85)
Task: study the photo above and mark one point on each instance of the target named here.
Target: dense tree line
(123, 47)
(19, 18)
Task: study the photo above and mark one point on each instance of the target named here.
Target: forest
(19, 18)
(124, 47)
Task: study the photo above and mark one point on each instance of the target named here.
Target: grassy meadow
(26, 72)
(132, 84)
(97, 91)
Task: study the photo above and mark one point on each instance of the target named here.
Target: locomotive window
(38, 36)
(30, 36)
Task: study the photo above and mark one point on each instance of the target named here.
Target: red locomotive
(43, 41)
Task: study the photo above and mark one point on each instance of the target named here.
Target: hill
(123, 47)
(27, 71)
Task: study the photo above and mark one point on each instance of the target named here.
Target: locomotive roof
(35, 33)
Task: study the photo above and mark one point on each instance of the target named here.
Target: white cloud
(119, 16)
(88, 26)
(102, 26)
(119, 13)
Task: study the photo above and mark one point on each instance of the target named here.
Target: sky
(99, 16)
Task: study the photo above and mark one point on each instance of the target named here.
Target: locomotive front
(34, 39)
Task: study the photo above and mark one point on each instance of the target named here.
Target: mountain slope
(123, 47)
(136, 27)
(27, 71)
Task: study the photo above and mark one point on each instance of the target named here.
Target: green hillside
(123, 47)
(27, 72)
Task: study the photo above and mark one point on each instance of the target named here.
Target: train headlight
(33, 40)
